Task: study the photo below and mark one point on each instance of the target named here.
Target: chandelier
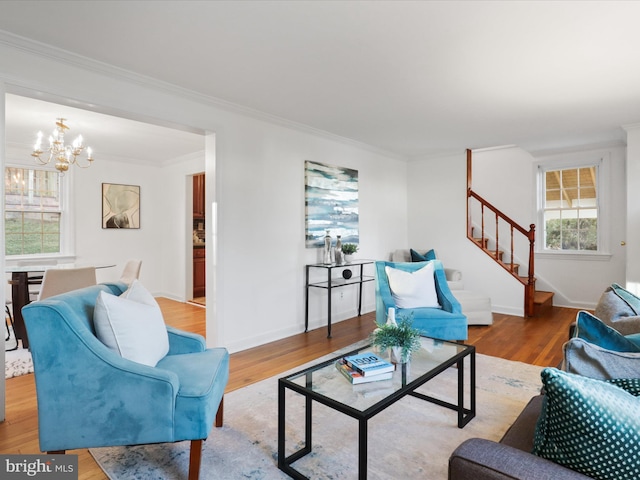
(63, 155)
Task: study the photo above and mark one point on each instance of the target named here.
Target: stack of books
(365, 367)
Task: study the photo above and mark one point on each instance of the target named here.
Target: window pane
(571, 209)
(32, 211)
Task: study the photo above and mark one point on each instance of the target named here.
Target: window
(32, 211)
(570, 209)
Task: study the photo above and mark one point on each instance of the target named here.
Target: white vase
(397, 357)
(348, 258)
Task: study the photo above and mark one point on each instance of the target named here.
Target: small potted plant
(400, 338)
(349, 249)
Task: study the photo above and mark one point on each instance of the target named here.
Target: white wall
(259, 190)
(261, 228)
(506, 179)
(633, 208)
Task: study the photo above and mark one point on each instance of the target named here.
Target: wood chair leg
(195, 456)
(220, 414)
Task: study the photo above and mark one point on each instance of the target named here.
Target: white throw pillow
(132, 325)
(413, 289)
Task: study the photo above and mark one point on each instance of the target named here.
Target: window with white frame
(33, 211)
(570, 208)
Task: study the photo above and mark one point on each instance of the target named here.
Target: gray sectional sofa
(511, 458)
(618, 311)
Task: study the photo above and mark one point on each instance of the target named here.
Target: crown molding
(50, 52)
(578, 148)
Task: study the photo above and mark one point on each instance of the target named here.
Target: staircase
(519, 243)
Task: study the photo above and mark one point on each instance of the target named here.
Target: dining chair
(8, 323)
(61, 280)
(34, 279)
(131, 271)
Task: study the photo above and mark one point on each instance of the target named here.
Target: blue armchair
(445, 323)
(89, 396)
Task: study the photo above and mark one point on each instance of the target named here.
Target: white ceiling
(108, 136)
(415, 78)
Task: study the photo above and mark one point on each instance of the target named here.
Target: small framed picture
(120, 206)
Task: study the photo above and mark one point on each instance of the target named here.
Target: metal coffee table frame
(464, 414)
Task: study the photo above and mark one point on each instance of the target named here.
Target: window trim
(577, 160)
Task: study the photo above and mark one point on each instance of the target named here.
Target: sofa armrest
(454, 278)
(480, 459)
(445, 297)
(184, 342)
(453, 274)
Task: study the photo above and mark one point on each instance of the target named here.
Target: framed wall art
(331, 203)
(120, 206)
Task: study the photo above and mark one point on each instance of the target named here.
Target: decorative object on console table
(327, 249)
(349, 249)
(400, 338)
(339, 256)
(346, 274)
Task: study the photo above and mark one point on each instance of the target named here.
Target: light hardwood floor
(535, 340)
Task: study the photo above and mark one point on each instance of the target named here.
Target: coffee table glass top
(325, 379)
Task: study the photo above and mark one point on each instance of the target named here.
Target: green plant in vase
(349, 249)
(401, 336)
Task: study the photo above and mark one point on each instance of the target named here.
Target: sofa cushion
(593, 330)
(629, 298)
(132, 325)
(422, 257)
(589, 360)
(589, 426)
(615, 309)
(413, 289)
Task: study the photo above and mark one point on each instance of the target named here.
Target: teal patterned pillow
(630, 385)
(589, 426)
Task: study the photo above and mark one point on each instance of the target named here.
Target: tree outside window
(32, 211)
(571, 209)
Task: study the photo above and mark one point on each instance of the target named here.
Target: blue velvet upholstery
(446, 323)
(89, 396)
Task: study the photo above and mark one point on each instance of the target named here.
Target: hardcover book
(357, 378)
(369, 364)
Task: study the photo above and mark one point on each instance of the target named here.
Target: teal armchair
(445, 323)
(89, 396)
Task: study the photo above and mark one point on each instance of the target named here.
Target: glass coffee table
(323, 383)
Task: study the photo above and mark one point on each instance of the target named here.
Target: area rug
(16, 362)
(410, 439)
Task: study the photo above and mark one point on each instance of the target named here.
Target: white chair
(61, 280)
(131, 271)
(34, 279)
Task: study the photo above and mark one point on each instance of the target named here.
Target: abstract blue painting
(331, 201)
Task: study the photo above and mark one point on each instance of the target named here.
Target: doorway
(199, 236)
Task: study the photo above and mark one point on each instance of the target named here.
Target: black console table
(357, 278)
